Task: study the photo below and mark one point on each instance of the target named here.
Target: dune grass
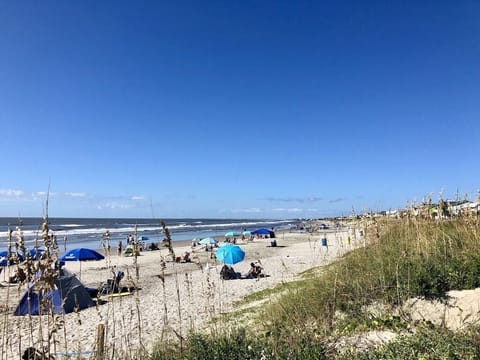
(408, 259)
(401, 259)
(425, 344)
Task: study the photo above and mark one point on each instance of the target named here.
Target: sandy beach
(172, 299)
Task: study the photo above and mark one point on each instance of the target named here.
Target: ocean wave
(74, 230)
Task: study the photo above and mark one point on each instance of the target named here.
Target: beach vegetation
(410, 259)
(237, 344)
(363, 291)
(271, 292)
(426, 343)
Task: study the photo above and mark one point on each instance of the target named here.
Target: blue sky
(245, 109)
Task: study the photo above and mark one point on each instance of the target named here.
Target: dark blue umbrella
(230, 254)
(35, 253)
(4, 261)
(81, 254)
(4, 258)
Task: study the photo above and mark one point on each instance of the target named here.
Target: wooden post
(100, 342)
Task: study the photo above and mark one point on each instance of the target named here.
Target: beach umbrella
(3, 261)
(246, 232)
(230, 254)
(35, 253)
(232, 233)
(4, 258)
(196, 240)
(81, 254)
(208, 241)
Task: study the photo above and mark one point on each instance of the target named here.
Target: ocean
(84, 232)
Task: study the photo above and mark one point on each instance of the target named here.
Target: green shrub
(425, 344)
(238, 346)
(408, 259)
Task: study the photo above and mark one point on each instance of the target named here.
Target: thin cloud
(249, 210)
(113, 205)
(75, 194)
(309, 199)
(289, 210)
(136, 198)
(337, 200)
(11, 193)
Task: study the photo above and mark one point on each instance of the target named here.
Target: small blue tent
(264, 231)
(69, 293)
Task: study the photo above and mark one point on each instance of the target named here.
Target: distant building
(463, 207)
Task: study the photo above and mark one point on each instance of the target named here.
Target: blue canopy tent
(264, 231)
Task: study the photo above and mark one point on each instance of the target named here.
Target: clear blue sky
(236, 108)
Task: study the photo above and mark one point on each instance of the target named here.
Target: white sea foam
(81, 232)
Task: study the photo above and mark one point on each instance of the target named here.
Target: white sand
(191, 295)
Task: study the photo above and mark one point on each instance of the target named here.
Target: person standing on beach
(120, 245)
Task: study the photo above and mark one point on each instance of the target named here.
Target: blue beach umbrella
(232, 233)
(208, 241)
(35, 253)
(246, 232)
(230, 254)
(196, 240)
(81, 254)
(5, 262)
(4, 258)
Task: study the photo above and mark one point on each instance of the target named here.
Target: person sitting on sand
(186, 257)
(228, 273)
(254, 272)
(153, 246)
